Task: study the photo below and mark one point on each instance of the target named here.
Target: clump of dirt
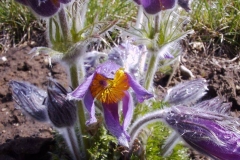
(221, 73)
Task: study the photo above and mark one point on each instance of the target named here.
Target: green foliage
(108, 10)
(156, 138)
(217, 22)
(15, 19)
(152, 105)
(103, 146)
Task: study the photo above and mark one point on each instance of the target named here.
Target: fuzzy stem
(151, 71)
(81, 114)
(140, 15)
(142, 122)
(170, 143)
(156, 26)
(64, 25)
(152, 67)
(83, 13)
(71, 139)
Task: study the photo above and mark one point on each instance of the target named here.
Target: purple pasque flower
(208, 128)
(29, 98)
(44, 8)
(109, 85)
(155, 6)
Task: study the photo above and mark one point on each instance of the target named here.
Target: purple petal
(113, 109)
(65, 1)
(141, 93)
(127, 110)
(114, 127)
(89, 105)
(155, 6)
(81, 90)
(46, 8)
(167, 4)
(108, 69)
(151, 6)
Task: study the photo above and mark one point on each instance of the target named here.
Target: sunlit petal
(141, 93)
(114, 127)
(81, 90)
(89, 104)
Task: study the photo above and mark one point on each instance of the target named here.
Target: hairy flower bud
(208, 128)
(30, 99)
(187, 93)
(61, 112)
(45, 8)
(184, 4)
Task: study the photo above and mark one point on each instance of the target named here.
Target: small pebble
(4, 109)
(4, 59)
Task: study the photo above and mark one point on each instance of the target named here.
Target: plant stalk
(64, 25)
(151, 71)
(140, 15)
(71, 140)
(142, 122)
(152, 67)
(81, 115)
(83, 13)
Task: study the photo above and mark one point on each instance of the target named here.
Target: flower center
(109, 90)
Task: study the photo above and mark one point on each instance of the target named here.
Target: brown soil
(14, 125)
(221, 72)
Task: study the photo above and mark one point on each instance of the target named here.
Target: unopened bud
(61, 112)
(30, 99)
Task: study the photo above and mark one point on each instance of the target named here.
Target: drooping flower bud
(30, 99)
(61, 112)
(187, 93)
(155, 6)
(208, 128)
(184, 4)
(45, 8)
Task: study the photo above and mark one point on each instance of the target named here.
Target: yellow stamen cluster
(109, 90)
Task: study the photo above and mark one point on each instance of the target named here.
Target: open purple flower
(208, 128)
(109, 85)
(155, 6)
(45, 8)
